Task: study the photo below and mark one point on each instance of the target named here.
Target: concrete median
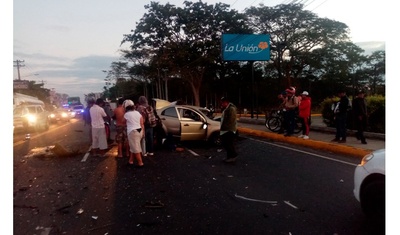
(331, 147)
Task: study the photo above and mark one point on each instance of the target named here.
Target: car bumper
(359, 175)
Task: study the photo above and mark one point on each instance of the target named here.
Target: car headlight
(64, 115)
(366, 159)
(31, 118)
(52, 115)
(73, 113)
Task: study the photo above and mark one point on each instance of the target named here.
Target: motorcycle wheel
(274, 124)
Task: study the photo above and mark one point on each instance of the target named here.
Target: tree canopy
(181, 46)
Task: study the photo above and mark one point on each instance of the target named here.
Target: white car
(369, 184)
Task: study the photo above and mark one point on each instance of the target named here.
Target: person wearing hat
(291, 106)
(305, 114)
(228, 129)
(135, 131)
(360, 115)
(99, 137)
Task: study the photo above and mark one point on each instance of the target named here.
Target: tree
(184, 42)
(376, 70)
(295, 33)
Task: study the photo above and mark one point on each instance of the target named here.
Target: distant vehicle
(60, 114)
(22, 99)
(78, 109)
(75, 100)
(369, 184)
(187, 122)
(31, 117)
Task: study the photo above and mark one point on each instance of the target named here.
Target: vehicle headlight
(73, 113)
(64, 115)
(366, 159)
(52, 115)
(31, 118)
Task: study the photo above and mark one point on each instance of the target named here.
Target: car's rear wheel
(373, 199)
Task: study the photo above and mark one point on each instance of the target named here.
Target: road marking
(290, 204)
(255, 200)
(193, 153)
(301, 151)
(86, 155)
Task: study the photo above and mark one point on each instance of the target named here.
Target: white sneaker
(300, 136)
(150, 154)
(145, 155)
(306, 137)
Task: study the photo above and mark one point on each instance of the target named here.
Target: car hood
(160, 103)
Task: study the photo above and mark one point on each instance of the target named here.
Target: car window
(188, 113)
(39, 109)
(170, 112)
(32, 109)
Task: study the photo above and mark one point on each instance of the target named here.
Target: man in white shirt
(99, 138)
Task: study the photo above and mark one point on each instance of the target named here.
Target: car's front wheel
(373, 199)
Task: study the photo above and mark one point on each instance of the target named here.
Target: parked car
(60, 114)
(31, 117)
(187, 122)
(369, 184)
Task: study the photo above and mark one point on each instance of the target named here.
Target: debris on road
(152, 204)
(255, 200)
(48, 151)
(79, 212)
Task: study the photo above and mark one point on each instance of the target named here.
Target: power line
(319, 5)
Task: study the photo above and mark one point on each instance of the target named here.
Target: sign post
(246, 47)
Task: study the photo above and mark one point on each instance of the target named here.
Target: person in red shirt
(305, 114)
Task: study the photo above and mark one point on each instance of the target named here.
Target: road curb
(331, 147)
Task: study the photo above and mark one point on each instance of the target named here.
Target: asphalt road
(274, 188)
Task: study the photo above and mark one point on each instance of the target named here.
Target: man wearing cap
(291, 106)
(99, 138)
(228, 129)
(305, 114)
(360, 115)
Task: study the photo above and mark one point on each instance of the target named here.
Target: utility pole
(18, 65)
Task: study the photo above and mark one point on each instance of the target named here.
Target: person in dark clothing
(360, 115)
(86, 117)
(228, 129)
(341, 109)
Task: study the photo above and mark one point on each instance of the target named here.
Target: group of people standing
(293, 106)
(359, 110)
(133, 126)
(301, 106)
